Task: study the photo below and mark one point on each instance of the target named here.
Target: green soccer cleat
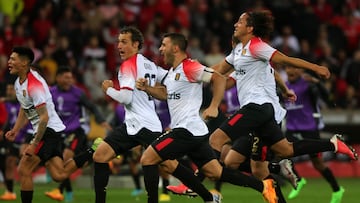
(96, 143)
(295, 192)
(337, 196)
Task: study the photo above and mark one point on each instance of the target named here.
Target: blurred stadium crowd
(82, 34)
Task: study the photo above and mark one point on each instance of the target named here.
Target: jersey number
(151, 79)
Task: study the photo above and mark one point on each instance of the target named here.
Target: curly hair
(262, 23)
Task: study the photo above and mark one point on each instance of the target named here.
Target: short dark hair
(63, 69)
(24, 52)
(262, 23)
(177, 39)
(136, 35)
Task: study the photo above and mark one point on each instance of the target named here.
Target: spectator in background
(38, 53)
(286, 42)
(323, 10)
(109, 35)
(48, 65)
(215, 54)
(195, 49)
(41, 26)
(109, 10)
(351, 74)
(93, 17)
(62, 52)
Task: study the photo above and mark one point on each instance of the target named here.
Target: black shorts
(50, 145)
(76, 141)
(293, 136)
(254, 118)
(252, 147)
(121, 142)
(179, 142)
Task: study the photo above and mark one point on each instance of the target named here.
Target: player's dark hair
(262, 23)
(63, 69)
(177, 39)
(136, 35)
(24, 52)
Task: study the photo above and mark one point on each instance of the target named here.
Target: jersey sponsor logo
(243, 52)
(24, 93)
(177, 76)
(174, 95)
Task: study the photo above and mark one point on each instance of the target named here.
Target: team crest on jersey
(243, 52)
(24, 93)
(177, 76)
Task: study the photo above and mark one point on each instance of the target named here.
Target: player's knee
(230, 164)
(97, 157)
(58, 176)
(24, 171)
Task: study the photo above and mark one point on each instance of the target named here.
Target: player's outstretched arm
(281, 58)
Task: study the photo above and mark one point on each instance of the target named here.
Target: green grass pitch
(315, 191)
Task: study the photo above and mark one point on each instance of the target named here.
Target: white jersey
(254, 75)
(184, 88)
(140, 113)
(32, 93)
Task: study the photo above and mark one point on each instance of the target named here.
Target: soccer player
(260, 107)
(303, 121)
(71, 104)
(37, 106)
(141, 125)
(182, 88)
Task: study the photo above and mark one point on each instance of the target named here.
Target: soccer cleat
(181, 190)
(341, 147)
(137, 192)
(269, 192)
(96, 143)
(69, 197)
(216, 198)
(337, 196)
(295, 192)
(215, 191)
(55, 194)
(8, 196)
(164, 198)
(287, 171)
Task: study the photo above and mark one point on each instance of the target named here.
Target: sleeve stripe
(42, 104)
(127, 88)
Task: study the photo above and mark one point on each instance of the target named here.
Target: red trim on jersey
(34, 84)
(191, 69)
(129, 67)
(126, 88)
(271, 63)
(254, 45)
(231, 78)
(235, 119)
(164, 143)
(38, 147)
(74, 143)
(263, 153)
(42, 104)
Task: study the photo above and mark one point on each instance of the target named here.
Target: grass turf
(315, 191)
